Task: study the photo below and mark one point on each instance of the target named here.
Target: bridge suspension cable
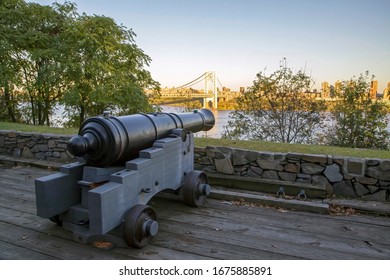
(195, 81)
(210, 83)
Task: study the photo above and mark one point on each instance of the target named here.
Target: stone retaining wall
(342, 176)
(35, 145)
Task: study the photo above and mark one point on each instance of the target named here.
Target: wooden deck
(219, 230)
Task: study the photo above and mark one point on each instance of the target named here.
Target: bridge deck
(219, 230)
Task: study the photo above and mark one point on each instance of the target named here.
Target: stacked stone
(35, 145)
(345, 177)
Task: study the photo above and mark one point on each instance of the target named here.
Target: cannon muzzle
(105, 140)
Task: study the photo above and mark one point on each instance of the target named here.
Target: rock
(2, 141)
(360, 190)
(210, 151)
(330, 160)
(315, 158)
(225, 151)
(270, 174)
(304, 178)
(256, 170)
(286, 176)
(241, 157)
(253, 174)
(377, 196)
(344, 189)
(367, 180)
(43, 148)
(292, 167)
(268, 164)
(205, 161)
(16, 152)
(12, 134)
(338, 160)
(355, 167)
(241, 168)
(378, 173)
(224, 166)
(27, 153)
(384, 184)
(372, 189)
(385, 165)
(51, 144)
(332, 173)
(312, 168)
(293, 157)
(372, 162)
(200, 151)
(280, 157)
(266, 155)
(319, 180)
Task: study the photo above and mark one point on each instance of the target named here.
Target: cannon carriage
(123, 163)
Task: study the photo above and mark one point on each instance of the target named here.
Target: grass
(297, 148)
(247, 145)
(36, 128)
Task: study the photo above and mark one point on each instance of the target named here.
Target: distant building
(337, 86)
(373, 89)
(386, 92)
(325, 90)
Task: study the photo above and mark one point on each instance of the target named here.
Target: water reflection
(221, 120)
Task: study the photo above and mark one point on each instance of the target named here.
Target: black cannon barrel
(106, 140)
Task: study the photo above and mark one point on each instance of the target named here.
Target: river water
(221, 120)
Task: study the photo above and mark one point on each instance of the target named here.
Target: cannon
(123, 162)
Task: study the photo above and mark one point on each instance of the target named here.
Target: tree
(357, 120)
(33, 38)
(276, 108)
(106, 70)
(53, 55)
(9, 66)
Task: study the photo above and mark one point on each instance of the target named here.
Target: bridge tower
(210, 84)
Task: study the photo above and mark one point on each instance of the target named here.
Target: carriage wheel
(140, 226)
(195, 188)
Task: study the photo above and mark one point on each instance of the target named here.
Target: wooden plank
(297, 236)
(51, 231)
(17, 204)
(216, 231)
(172, 235)
(53, 246)
(10, 191)
(13, 252)
(309, 222)
(251, 246)
(302, 221)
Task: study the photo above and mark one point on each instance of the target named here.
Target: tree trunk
(8, 103)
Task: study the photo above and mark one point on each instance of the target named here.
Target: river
(221, 120)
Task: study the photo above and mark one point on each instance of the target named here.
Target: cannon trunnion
(125, 162)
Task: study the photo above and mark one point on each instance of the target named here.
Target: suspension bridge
(209, 94)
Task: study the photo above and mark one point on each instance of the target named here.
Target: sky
(330, 39)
